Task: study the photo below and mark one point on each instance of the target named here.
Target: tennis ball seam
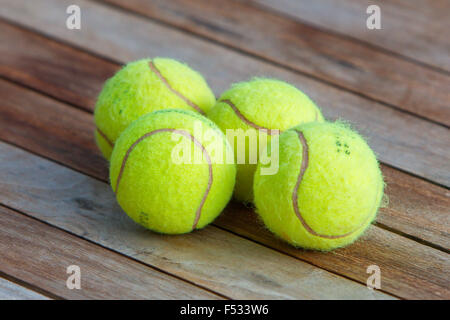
(167, 84)
(247, 121)
(303, 167)
(194, 115)
(196, 142)
(252, 124)
(105, 137)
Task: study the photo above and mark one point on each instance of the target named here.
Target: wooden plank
(408, 269)
(12, 291)
(401, 276)
(336, 60)
(412, 28)
(212, 258)
(47, 130)
(104, 274)
(416, 208)
(39, 63)
(394, 135)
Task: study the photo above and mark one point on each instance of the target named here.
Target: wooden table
(57, 209)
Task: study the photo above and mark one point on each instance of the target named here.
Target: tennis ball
(327, 190)
(144, 86)
(257, 107)
(158, 181)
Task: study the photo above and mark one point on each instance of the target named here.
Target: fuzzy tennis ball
(327, 190)
(144, 86)
(258, 107)
(170, 172)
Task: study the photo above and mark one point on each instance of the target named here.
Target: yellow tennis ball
(144, 86)
(327, 190)
(171, 172)
(259, 107)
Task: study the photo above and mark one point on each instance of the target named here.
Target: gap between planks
(115, 275)
(413, 238)
(16, 289)
(284, 9)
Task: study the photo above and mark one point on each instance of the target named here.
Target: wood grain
(412, 28)
(416, 208)
(71, 136)
(37, 62)
(409, 273)
(104, 274)
(397, 137)
(405, 265)
(238, 269)
(48, 129)
(401, 275)
(12, 291)
(347, 64)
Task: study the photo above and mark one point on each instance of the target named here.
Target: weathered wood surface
(121, 36)
(39, 255)
(410, 242)
(12, 291)
(412, 28)
(417, 208)
(66, 74)
(373, 249)
(342, 62)
(87, 208)
(408, 269)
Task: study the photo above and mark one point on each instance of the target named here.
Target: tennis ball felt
(158, 186)
(327, 190)
(144, 86)
(259, 105)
